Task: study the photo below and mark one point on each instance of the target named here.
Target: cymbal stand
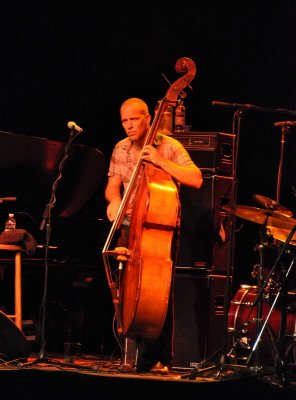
(285, 129)
(262, 232)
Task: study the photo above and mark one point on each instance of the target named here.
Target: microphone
(285, 123)
(231, 105)
(222, 103)
(74, 127)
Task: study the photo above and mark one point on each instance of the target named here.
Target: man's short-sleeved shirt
(123, 161)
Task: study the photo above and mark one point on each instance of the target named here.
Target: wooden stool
(17, 250)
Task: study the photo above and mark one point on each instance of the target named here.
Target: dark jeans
(160, 349)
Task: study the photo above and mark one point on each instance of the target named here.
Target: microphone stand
(46, 223)
(285, 129)
(254, 108)
(236, 130)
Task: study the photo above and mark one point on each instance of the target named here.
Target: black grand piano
(77, 291)
(29, 167)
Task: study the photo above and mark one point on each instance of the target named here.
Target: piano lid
(30, 165)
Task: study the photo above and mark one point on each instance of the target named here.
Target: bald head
(135, 119)
(136, 104)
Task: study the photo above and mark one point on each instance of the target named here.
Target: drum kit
(262, 318)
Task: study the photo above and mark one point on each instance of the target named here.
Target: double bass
(140, 285)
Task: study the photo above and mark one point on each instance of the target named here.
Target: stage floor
(92, 377)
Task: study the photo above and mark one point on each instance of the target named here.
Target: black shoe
(160, 368)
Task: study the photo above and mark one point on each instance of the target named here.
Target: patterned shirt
(123, 161)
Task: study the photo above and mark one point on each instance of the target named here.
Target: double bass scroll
(141, 298)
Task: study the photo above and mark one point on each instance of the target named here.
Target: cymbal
(282, 235)
(272, 205)
(261, 216)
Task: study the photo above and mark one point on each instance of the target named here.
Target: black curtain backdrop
(63, 61)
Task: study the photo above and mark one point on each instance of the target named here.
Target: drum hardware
(242, 325)
(239, 335)
(252, 214)
(280, 361)
(270, 215)
(268, 218)
(259, 299)
(241, 339)
(260, 216)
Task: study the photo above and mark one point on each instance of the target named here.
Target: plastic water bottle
(10, 222)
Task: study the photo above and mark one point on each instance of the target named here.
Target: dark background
(63, 61)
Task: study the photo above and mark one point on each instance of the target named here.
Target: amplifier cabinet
(211, 151)
(200, 315)
(206, 236)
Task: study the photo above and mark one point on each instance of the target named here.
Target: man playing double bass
(169, 155)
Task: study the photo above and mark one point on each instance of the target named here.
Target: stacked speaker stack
(203, 279)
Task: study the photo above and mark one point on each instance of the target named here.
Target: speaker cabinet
(211, 151)
(206, 230)
(190, 314)
(200, 309)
